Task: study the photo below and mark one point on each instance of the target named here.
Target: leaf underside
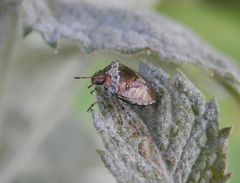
(175, 140)
(127, 32)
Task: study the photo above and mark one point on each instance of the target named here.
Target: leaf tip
(27, 29)
(51, 39)
(100, 152)
(225, 132)
(89, 49)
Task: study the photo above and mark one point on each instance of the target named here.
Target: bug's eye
(127, 87)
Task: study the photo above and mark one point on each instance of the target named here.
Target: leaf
(127, 32)
(175, 140)
(178, 138)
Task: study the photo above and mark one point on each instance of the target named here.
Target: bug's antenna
(77, 77)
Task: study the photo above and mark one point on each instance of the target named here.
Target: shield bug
(124, 83)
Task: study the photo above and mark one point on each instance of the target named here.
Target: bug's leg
(91, 106)
(91, 92)
(90, 85)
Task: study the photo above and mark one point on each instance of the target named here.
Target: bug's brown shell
(128, 85)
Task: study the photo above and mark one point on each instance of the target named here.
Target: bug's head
(97, 79)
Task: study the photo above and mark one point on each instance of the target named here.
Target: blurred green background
(46, 135)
